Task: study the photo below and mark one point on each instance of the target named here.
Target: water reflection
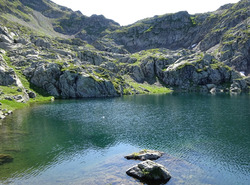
(73, 141)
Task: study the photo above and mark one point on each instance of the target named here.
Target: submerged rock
(5, 158)
(145, 155)
(149, 171)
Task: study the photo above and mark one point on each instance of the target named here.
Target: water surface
(206, 139)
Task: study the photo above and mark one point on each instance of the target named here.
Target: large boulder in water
(149, 171)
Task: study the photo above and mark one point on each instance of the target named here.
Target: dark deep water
(206, 139)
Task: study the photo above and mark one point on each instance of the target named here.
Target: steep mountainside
(47, 49)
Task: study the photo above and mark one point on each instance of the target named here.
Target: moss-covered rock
(145, 155)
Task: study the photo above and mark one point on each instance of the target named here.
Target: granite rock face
(83, 85)
(68, 84)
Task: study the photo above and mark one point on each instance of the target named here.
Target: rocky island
(47, 51)
(148, 170)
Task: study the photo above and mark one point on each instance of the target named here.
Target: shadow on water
(206, 138)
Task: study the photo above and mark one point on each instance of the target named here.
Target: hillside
(49, 50)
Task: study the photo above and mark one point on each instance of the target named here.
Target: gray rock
(45, 75)
(31, 94)
(149, 170)
(210, 86)
(145, 155)
(3, 30)
(136, 73)
(21, 40)
(109, 46)
(87, 86)
(4, 38)
(10, 112)
(67, 84)
(90, 57)
(110, 66)
(62, 52)
(2, 116)
(19, 90)
(18, 97)
(8, 75)
(8, 98)
(41, 43)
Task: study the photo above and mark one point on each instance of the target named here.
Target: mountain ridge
(69, 55)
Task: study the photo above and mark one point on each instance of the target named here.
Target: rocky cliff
(52, 48)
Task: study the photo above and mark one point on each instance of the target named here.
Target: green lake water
(206, 139)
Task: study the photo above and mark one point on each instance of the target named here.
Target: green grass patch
(193, 20)
(184, 65)
(135, 154)
(156, 54)
(12, 105)
(71, 68)
(149, 29)
(9, 90)
(149, 89)
(217, 65)
(229, 42)
(89, 46)
(218, 30)
(103, 75)
(199, 70)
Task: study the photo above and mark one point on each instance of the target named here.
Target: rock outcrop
(69, 84)
(8, 77)
(70, 55)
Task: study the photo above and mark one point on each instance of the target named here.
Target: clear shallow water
(206, 139)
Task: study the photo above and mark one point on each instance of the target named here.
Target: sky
(126, 12)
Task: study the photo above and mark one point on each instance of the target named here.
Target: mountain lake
(206, 139)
